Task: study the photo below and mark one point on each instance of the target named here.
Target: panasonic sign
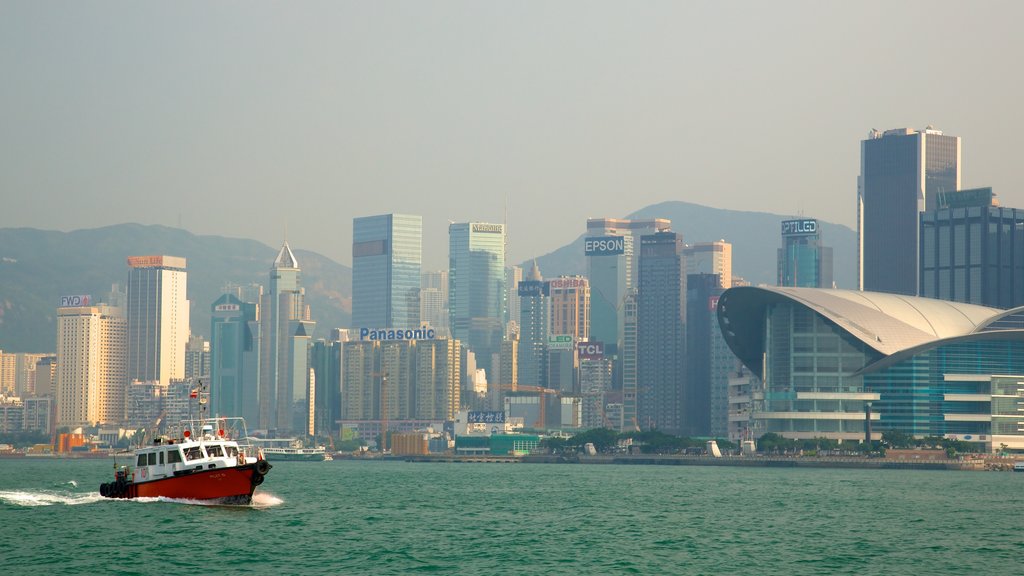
(388, 334)
(799, 227)
(604, 246)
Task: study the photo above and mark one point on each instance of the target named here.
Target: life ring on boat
(262, 467)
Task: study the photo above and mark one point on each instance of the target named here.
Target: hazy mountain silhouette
(755, 237)
(37, 267)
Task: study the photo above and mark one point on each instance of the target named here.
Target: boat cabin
(167, 458)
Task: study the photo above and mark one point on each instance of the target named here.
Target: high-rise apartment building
(476, 278)
(972, 250)
(92, 365)
(661, 314)
(387, 252)
(434, 301)
(235, 343)
(533, 329)
(901, 174)
(197, 357)
(513, 275)
(803, 260)
(710, 258)
(630, 389)
(286, 330)
(158, 318)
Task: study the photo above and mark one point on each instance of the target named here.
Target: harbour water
(354, 517)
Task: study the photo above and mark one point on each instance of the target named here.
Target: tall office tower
(702, 292)
(387, 252)
(285, 329)
(92, 365)
(46, 376)
(434, 301)
(235, 343)
(661, 315)
(569, 299)
(901, 173)
(533, 329)
(325, 409)
(507, 375)
(803, 260)
(197, 357)
(609, 269)
(595, 382)
(513, 275)
(158, 316)
(476, 279)
(710, 258)
(632, 228)
(972, 250)
(630, 417)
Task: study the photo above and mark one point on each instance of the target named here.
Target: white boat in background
(1018, 466)
(318, 454)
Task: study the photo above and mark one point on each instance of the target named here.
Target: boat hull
(233, 485)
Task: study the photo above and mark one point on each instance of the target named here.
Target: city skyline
(365, 109)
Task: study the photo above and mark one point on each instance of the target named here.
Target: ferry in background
(1018, 466)
(318, 454)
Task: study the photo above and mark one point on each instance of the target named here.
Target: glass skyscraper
(803, 260)
(476, 279)
(533, 329)
(972, 250)
(661, 314)
(901, 174)
(387, 252)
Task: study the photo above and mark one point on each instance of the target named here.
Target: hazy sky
(239, 118)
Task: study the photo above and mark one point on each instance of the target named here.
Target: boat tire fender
(257, 479)
(262, 467)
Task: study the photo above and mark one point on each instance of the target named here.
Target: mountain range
(37, 267)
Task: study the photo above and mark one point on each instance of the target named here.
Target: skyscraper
(434, 301)
(803, 260)
(661, 314)
(285, 333)
(901, 173)
(609, 269)
(702, 292)
(235, 344)
(710, 258)
(158, 316)
(92, 365)
(476, 278)
(569, 300)
(972, 250)
(387, 253)
(632, 228)
(533, 329)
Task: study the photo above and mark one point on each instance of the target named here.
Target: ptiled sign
(604, 246)
(390, 334)
(799, 227)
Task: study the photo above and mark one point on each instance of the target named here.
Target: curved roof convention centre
(888, 323)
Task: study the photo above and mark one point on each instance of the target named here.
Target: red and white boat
(204, 464)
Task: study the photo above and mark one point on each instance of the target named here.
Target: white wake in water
(264, 500)
(21, 498)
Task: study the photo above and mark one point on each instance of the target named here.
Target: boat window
(173, 457)
(142, 460)
(152, 458)
(232, 451)
(215, 451)
(194, 453)
(161, 457)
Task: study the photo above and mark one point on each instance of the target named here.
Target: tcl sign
(590, 350)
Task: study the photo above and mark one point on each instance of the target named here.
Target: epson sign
(799, 227)
(604, 246)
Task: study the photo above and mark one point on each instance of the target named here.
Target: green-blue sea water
(372, 517)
